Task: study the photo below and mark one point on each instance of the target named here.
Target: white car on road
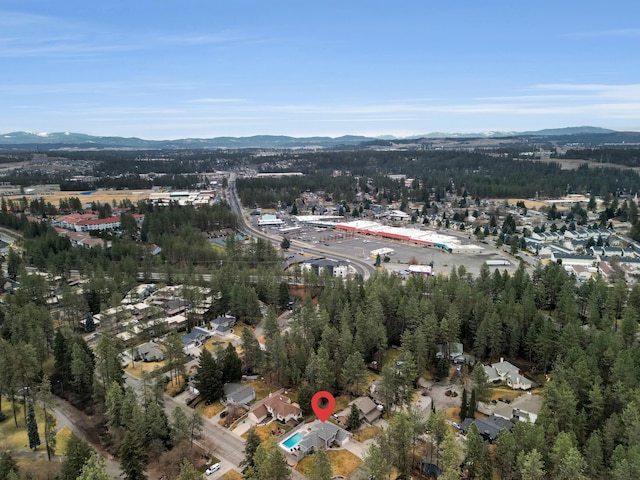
(213, 468)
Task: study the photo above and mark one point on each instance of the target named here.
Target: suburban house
(524, 408)
(507, 373)
(369, 411)
(455, 351)
(279, 407)
(237, 394)
(148, 352)
(223, 324)
(489, 428)
(320, 436)
(196, 338)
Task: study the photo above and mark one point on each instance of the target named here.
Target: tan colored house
(279, 407)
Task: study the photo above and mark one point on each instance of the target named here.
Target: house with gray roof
(238, 394)
(507, 373)
(524, 408)
(223, 324)
(369, 411)
(148, 352)
(320, 436)
(489, 428)
(196, 337)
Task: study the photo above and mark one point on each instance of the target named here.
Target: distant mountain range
(80, 141)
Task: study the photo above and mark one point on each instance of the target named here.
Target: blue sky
(162, 69)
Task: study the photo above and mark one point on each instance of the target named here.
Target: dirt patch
(232, 475)
(273, 430)
(138, 369)
(453, 414)
(367, 433)
(38, 468)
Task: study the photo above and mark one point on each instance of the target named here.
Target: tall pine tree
(464, 405)
(32, 428)
(208, 379)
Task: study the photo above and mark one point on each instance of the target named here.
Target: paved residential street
(226, 446)
(76, 420)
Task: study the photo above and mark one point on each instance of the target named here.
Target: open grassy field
(101, 196)
(343, 463)
(62, 437)
(15, 438)
(216, 342)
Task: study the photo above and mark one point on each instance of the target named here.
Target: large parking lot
(358, 245)
(404, 253)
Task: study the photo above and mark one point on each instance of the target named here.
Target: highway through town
(363, 268)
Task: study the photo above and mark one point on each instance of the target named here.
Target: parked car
(223, 414)
(213, 468)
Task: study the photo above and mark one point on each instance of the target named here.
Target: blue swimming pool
(292, 441)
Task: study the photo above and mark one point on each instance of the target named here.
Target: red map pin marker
(323, 413)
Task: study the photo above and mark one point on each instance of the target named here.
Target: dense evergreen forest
(495, 174)
(476, 175)
(577, 341)
(629, 157)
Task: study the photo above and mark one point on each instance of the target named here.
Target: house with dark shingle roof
(148, 352)
(369, 411)
(320, 436)
(489, 428)
(196, 338)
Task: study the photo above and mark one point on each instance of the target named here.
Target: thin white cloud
(197, 39)
(618, 32)
(217, 100)
(29, 35)
(617, 89)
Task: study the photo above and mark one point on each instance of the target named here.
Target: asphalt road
(69, 416)
(226, 446)
(363, 267)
